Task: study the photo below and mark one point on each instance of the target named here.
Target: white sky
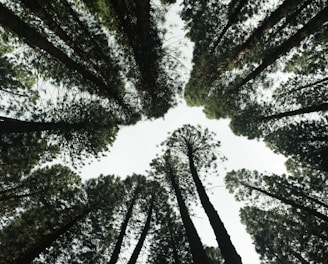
(136, 146)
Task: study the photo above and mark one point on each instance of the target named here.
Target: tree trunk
(227, 249)
(143, 235)
(288, 201)
(304, 86)
(305, 110)
(230, 22)
(33, 38)
(46, 242)
(197, 250)
(311, 27)
(119, 241)
(267, 24)
(10, 125)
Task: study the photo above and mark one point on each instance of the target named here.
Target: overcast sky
(136, 146)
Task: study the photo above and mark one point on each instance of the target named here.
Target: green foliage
(285, 214)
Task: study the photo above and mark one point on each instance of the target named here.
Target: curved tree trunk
(197, 250)
(227, 249)
(119, 241)
(143, 235)
(46, 242)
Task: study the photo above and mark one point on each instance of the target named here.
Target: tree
(56, 220)
(226, 83)
(280, 238)
(167, 166)
(153, 71)
(79, 129)
(143, 234)
(169, 243)
(200, 147)
(42, 182)
(287, 190)
(36, 40)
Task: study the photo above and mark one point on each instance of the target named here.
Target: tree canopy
(74, 72)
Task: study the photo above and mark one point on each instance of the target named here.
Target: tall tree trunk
(304, 87)
(10, 125)
(227, 249)
(231, 21)
(288, 201)
(119, 241)
(311, 27)
(143, 235)
(305, 110)
(12, 22)
(46, 242)
(267, 24)
(197, 250)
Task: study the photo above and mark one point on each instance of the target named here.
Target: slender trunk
(290, 19)
(298, 256)
(231, 21)
(119, 241)
(305, 110)
(143, 235)
(311, 27)
(303, 195)
(288, 201)
(227, 249)
(197, 250)
(46, 242)
(33, 38)
(47, 19)
(304, 86)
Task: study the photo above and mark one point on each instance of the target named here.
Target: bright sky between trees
(137, 145)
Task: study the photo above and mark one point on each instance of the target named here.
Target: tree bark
(143, 235)
(119, 241)
(227, 249)
(46, 242)
(197, 250)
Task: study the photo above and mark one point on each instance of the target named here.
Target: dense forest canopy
(74, 72)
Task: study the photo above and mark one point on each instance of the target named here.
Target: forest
(74, 72)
